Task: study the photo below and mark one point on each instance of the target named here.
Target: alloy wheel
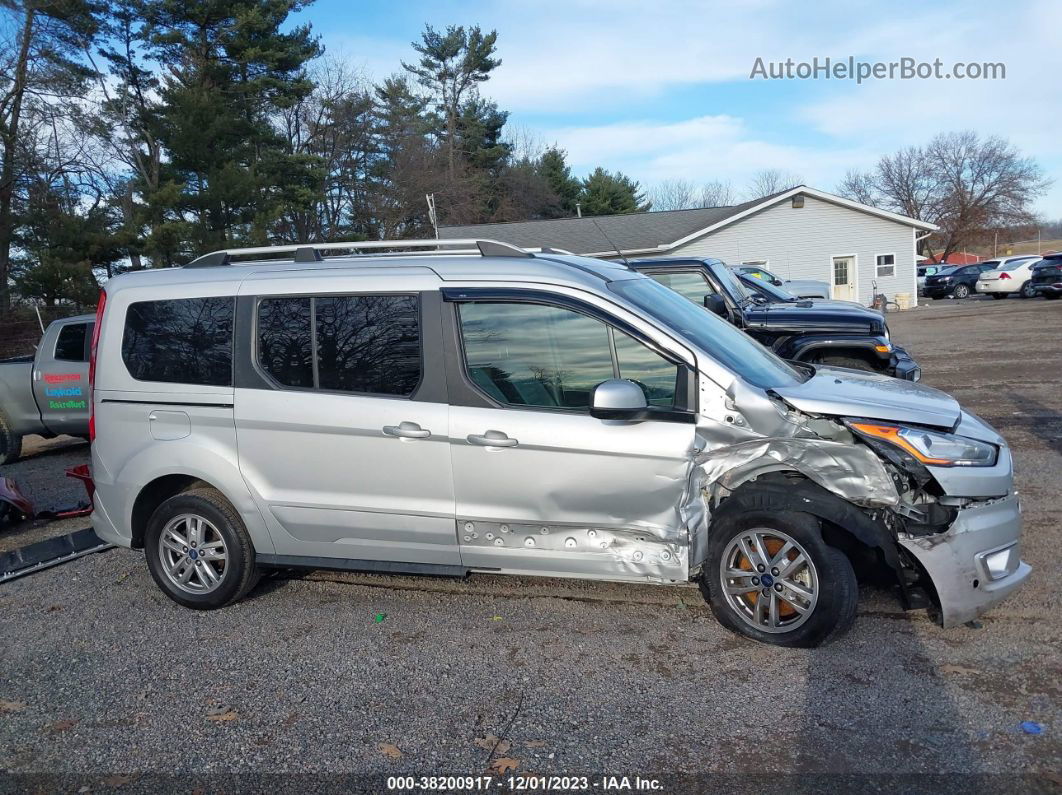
(193, 554)
(769, 580)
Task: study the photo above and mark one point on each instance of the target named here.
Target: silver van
(446, 407)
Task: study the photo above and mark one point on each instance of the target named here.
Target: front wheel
(770, 576)
(961, 291)
(198, 550)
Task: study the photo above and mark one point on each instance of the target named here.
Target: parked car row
(1025, 276)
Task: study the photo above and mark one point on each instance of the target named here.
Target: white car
(1009, 276)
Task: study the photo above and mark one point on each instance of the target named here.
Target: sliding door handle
(492, 439)
(407, 430)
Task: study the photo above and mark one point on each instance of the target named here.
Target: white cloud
(701, 149)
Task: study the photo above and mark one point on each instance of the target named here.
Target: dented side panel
(571, 476)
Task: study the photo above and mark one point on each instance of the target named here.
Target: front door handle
(492, 439)
(407, 430)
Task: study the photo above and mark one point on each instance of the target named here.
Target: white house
(801, 233)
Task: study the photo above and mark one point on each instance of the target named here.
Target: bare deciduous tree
(771, 180)
(717, 194)
(675, 194)
(965, 184)
(682, 194)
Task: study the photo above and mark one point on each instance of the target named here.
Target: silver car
(478, 408)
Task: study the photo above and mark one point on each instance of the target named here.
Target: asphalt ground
(338, 681)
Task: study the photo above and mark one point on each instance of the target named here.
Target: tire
(851, 362)
(961, 291)
(829, 576)
(997, 296)
(10, 442)
(236, 574)
(1026, 291)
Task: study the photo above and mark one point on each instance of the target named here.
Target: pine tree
(36, 75)
(451, 66)
(231, 66)
(554, 168)
(605, 193)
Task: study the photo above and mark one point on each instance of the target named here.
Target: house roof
(641, 233)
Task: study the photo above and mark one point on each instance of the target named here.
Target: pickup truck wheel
(10, 442)
(198, 550)
(770, 576)
(851, 362)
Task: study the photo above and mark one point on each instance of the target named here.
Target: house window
(886, 265)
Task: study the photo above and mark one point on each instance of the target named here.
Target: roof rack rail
(311, 252)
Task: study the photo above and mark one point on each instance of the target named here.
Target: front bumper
(902, 365)
(937, 290)
(976, 563)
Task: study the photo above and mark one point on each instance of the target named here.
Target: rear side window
(368, 344)
(182, 341)
(285, 340)
(71, 344)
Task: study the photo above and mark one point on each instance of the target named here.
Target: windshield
(947, 270)
(776, 292)
(731, 282)
(731, 347)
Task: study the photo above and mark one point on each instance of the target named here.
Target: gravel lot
(108, 683)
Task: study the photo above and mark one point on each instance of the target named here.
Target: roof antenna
(609, 240)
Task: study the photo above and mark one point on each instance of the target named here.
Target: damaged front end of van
(900, 468)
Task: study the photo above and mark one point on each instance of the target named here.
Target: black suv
(1046, 277)
(959, 281)
(836, 333)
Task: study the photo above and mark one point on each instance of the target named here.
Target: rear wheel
(961, 291)
(10, 441)
(1027, 291)
(198, 550)
(770, 576)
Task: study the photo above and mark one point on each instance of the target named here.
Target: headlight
(931, 448)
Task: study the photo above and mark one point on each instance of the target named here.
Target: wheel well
(870, 546)
(862, 354)
(153, 495)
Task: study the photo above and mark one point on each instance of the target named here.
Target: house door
(844, 279)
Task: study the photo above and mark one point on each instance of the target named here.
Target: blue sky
(661, 90)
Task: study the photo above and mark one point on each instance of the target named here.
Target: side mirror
(714, 302)
(618, 399)
(777, 282)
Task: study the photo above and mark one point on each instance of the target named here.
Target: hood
(825, 315)
(850, 393)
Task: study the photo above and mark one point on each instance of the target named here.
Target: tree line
(142, 133)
